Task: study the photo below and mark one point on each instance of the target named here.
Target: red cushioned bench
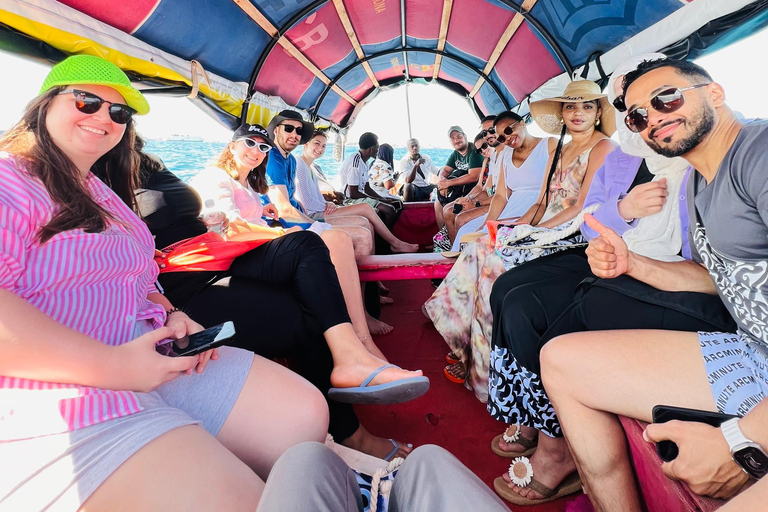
(416, 224)
(660, 493)
(396, 267)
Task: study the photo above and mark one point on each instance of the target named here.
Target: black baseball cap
(252, 130)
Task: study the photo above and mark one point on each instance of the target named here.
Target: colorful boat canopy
(327, 57)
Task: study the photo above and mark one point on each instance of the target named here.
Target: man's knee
(556, 357)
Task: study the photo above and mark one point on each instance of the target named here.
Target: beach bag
(518, 244)
(374, 476)
(207, 252)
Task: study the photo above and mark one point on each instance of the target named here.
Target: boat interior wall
(326, 57)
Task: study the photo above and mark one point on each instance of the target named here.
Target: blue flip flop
(393, 392)
(396, 447)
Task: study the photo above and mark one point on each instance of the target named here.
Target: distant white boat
(184, 138)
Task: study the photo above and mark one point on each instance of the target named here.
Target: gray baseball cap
(455, 129)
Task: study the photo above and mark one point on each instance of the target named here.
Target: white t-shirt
(427, 168)
(308, 189)
(354, 173)
(228, 195)
(497, 161)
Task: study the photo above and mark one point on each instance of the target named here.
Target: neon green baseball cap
(90, 70)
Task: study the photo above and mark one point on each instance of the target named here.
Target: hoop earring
(597, 123)
(562, 121)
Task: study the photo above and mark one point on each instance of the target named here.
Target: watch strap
(733, 434)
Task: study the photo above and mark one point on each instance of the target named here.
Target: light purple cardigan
(611, 182)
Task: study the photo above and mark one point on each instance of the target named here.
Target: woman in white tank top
(460, 307)
(517, 187)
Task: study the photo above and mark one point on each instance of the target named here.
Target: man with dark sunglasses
(288, 130)
(679, 111)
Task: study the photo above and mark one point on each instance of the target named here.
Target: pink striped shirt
(95, 283)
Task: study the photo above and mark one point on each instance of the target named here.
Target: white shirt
(308, 189)
(228, 195)
(406, 164)
(354, 173)
(498, 160)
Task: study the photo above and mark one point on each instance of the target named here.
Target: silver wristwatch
(746, 453)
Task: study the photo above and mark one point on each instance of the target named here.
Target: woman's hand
(183, 326)
(644, 200)
(270, 210)
(329, 208)
(137, 366)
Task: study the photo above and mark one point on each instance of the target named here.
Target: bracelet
(174, 310)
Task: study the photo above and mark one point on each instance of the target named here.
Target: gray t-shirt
(729, 228)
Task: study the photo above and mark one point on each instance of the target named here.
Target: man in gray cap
(459, 174)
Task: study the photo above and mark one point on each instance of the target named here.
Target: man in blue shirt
(289, 130)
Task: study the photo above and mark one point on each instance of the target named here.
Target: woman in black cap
(284, 296)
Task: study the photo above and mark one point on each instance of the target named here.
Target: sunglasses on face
(89, 103)
(482, 147)
(489, 131)
(665, 102)
(261, 146)
(289, 128)
(619, 104)
(509, 130)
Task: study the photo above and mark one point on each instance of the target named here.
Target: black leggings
(282, 297)
(538, 301)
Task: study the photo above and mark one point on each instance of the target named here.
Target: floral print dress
(460, 307)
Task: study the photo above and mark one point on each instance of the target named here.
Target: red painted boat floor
(449, 415)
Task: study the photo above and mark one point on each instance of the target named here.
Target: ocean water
(186, 158)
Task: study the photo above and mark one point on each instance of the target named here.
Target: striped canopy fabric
(326, 57)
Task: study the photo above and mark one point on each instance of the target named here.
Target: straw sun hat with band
(548, 112)
(90, 70)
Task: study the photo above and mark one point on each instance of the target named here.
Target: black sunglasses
(263, 146)
(89, 103)
(289, 129)
(489, 131)
(482, 147)
(509, 130)
(667, 101)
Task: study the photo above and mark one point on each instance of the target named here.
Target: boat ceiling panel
(300, 51)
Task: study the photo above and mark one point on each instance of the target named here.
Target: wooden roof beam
(283, 41)
(350, 30)
(444, 21)
(504, 40)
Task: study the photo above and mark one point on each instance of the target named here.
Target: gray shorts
(318, 216)
(737, 370)
(59, 472)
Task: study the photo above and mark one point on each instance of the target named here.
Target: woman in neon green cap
(92, 409)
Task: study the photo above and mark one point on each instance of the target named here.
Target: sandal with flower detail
(529, 444)
(521, 474)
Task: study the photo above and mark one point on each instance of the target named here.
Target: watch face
(752, 460)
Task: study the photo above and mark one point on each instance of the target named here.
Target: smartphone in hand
(212, 337)
(668, 450)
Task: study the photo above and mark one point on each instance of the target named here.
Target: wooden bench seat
(395, 267)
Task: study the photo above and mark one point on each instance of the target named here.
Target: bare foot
(377, 327)
(386, 300)
(353, 371)
(364, 441)
(402, 247)
(550, 468)
(527, 432)
(371, 347)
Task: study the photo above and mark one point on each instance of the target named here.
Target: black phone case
(667, 450)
